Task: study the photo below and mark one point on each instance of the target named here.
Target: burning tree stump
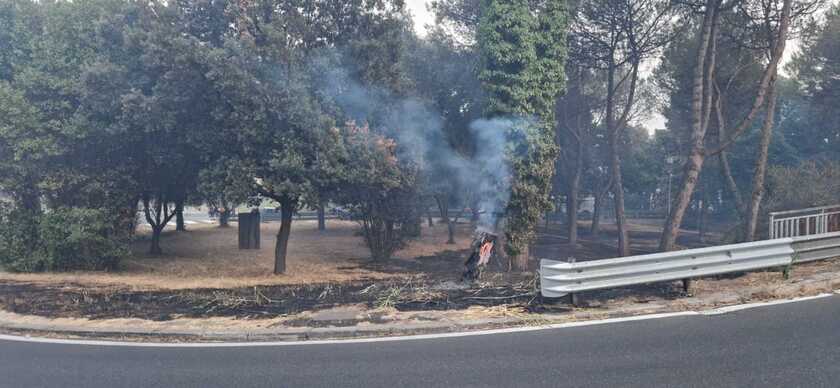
(483, 248)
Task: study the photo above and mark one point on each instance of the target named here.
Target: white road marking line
(740, 307)
(5, 337)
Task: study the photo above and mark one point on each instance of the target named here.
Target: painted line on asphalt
(741, 307)
(714, 312)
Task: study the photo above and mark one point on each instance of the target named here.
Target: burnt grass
(420, 291)
(71, 301)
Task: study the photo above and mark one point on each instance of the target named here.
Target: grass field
(208, 257)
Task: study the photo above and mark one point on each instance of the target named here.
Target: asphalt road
(791, 345)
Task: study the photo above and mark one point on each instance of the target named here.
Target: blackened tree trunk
(751, 223)
(179, 217)
(287, 209)
(322, 218)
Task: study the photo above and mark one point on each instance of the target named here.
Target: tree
(701, 103)
(270, 76)
(616, 36)
(378, 187)
(522, 59)
(816, 70)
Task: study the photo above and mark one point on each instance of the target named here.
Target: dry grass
(208, 257)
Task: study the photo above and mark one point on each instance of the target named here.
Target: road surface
(790, 345)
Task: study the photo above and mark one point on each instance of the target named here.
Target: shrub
(18, 237)
(379, 191)
(60, 240)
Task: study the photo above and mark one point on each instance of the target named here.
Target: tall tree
(701, 104)
(523, 54)
(816, 71)
(617, 36)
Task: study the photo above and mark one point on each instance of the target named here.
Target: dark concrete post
(255, 229)
(244, 231)
(249, 230)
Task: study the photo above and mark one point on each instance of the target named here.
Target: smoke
(418, 129)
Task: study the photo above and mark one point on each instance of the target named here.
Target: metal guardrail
(804, 222)
(558, 278)
(813, 248)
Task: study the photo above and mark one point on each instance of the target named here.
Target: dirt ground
(208, 257)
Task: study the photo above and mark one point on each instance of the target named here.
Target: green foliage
(817, 74)
(379, 189)
(522, 61)
(62, 239)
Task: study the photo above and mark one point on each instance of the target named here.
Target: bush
(18, 237)
(60, 240)
(379, 191)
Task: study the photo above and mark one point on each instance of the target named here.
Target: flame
(484, 253)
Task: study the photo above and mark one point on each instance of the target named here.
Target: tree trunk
(572, 199)
(287, 209)
(429, 219)
(595, 228)
(475, 215)
(704, 66)
(179, 217)
(519, 263)
(761, 166)
(443, 206)
(322, 218)
(723, 159)
(224, 216)
(698, 153)
(613, 129)
(155, 249)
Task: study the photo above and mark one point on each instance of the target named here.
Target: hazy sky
(422, 17)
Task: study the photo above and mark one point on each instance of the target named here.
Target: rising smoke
(418, 130)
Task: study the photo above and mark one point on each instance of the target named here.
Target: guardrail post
(573, 298)
(772, 230)
(686, 286)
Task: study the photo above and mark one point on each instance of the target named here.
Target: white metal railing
(558, 278)
(804, 222)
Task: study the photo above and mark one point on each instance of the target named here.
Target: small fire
(483, 249)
